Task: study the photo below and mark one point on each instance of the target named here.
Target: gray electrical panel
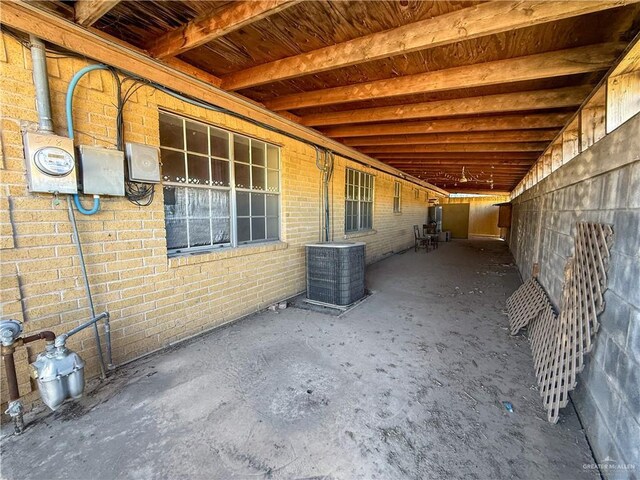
(143, 162)
(102, 171)
(51, 163)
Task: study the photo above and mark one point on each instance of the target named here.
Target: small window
(358, 201)
(220, 189)
(416, 194)
(397, 197)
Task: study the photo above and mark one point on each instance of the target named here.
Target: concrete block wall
(153, 300)
(602, 185)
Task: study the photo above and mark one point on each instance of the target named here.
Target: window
(359, 201)
(397, 197)
(416, 194)
(220, 188)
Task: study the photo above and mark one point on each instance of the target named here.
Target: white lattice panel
(559, 343)
(525, 304)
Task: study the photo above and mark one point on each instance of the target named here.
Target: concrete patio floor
(409, 384)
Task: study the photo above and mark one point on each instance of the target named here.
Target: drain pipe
(87, 287)
(41, 84)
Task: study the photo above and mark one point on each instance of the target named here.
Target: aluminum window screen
(220, 188)
(358, 201)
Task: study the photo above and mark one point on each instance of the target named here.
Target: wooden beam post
(88, 12)
(480, 124)
(215, 25)
(480, 20)
(543, 65)
(501, 103)
(456, 137)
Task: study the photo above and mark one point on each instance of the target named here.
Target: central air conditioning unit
(335, 273)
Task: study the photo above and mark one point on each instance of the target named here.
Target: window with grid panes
(397, 197)
(220, 188)
(358, 201)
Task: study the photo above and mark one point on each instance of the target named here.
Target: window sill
(361, 233)
(193, 258)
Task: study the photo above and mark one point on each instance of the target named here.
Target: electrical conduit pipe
(69, 111)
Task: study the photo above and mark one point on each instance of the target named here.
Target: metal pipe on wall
(41, 84)
(87, 287)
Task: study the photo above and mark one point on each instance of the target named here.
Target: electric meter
(54, 161)
(51, 163)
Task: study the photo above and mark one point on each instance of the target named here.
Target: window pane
(176, 233)
(198, 169)
(171, 131)
(175, 204)
(242, 175)
(219, 203)
(199, 203)
(258, 229)
(258, 152)
(257, 205)
(242, 204)
(199, 232)
(221, 233)
(272, 205)
(219, 143)
(173, 166)
(244, 232)
(241, 148)
(220, 172)
(273, 180)
(197, 138)
(272, 157)
(258, 181)
(273, 229)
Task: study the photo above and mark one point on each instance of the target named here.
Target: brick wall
(153, 300)
(602, 185)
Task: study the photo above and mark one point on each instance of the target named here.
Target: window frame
(359, 201)
(232, 190)
(397, 197)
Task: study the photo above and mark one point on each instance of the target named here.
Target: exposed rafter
(532, 67)
(88, 12)
(485, 19)
(455, 147)
(498, 122)
(506, 102)
(219, 23)
(458, 137)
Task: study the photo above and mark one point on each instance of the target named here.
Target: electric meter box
(143, 162)
(102, 171)
(51, 163)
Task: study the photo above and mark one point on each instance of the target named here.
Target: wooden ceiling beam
(479, 124)
(453, 147)
(52, 28)
(479, 156)
(572, 61)
(458, 137)
(88, 12)
(500, 103)
(480, 20)
(218, 24)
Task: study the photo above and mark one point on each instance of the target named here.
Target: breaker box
(102, 171)
(143, 162)
(50, 162)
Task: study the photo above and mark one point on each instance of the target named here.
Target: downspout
(41, 84)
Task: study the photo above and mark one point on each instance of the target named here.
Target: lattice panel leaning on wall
(559, 342)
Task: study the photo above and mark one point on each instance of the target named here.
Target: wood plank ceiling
(428, 87)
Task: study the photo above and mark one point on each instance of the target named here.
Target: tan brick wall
(153, 300)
